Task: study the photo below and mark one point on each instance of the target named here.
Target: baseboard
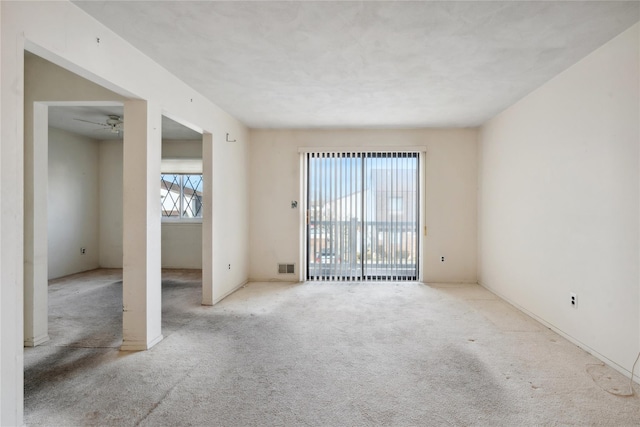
(217, 300)
(449, 282)
(140, 345)
(273, 280)
(40, 339)
(427, 278)
(591, 351)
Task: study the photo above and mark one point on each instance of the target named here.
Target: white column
(207, 219)
(11, 223)
(36, 167)
(141, 292)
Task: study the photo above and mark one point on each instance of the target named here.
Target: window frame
(180, 219)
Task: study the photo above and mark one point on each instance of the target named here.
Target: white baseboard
(217, 300)
(585, 347)
(32, 342)
(274, 280)
(140, 345)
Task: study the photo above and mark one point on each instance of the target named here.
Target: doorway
(362, 215)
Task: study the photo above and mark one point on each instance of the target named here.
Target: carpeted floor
(335, 354)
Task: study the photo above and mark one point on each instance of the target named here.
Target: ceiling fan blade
(93, 123)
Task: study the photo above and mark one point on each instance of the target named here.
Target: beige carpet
(314, 355)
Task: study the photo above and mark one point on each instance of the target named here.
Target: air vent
(286, 269)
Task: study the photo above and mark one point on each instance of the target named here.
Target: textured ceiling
(74, 120)
(365, 64)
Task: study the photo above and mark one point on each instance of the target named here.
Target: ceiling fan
(113, 124)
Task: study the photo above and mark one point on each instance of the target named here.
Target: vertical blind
(362, 216)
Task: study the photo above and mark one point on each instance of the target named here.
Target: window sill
(194, 221)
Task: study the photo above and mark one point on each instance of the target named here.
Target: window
(181, 196)
(362, 221)
(395, 205)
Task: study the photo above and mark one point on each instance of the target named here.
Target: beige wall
(85, 207)
(231, 212)
(44, 82)
(181, 243)
(558, 202)
(450, 186)
(47, 82)
(72, 203)
(110, 183)
(69, 38)
(181, 149)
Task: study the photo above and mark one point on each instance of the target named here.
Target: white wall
(181, 242)
(231, 214)
(44, 82)
(72, 203)
(63, 34)
(558, 202)
(181, 245)
(181, 149)
(110, 171)
(451, 183)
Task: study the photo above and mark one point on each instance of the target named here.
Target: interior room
(319, 213)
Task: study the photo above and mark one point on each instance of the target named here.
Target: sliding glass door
(362, 216)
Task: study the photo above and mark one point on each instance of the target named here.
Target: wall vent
(286, 269)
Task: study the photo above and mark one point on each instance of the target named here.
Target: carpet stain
(610, 381)
(314, 355)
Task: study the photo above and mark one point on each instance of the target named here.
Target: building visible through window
(396, 205)
(181, 196)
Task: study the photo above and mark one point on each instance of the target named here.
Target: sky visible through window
(194, 182)
(181, 195)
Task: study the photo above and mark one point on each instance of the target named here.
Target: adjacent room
(320, 213)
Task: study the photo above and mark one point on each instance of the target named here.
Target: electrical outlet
(573, 299)
(83, 250)
(229, 266)
(441, 259)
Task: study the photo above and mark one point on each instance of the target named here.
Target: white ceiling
(74, 119)
(323, 64)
